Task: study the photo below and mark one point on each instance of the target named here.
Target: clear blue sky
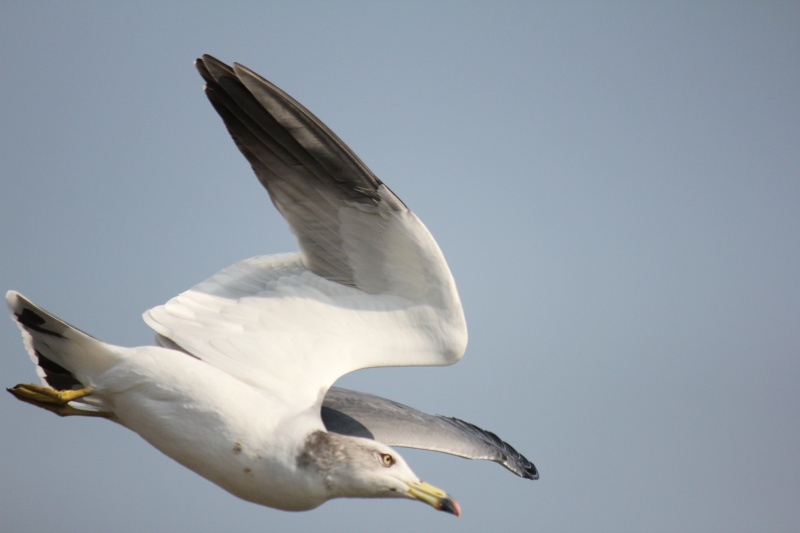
(616, 187)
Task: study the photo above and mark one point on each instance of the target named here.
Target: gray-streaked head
(353, 467)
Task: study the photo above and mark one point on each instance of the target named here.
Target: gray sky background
(616, 187)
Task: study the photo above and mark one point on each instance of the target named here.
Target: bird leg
(55, 401)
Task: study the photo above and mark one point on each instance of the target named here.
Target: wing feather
(370, 286)
(365, 415)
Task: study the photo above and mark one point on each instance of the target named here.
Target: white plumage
(241, 383)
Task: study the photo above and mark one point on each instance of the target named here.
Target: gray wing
(364, 415)
(311, 175)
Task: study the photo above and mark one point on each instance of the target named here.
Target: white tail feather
(65, 357)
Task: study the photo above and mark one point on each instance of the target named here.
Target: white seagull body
(239, 389)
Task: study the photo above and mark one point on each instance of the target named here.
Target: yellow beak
(436, 498)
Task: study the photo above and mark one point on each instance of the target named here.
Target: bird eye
(387, 460)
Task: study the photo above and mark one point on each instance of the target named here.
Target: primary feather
(368, 288)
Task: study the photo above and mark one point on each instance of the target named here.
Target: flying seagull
(239, 388)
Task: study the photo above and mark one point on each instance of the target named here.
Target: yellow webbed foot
(55, 401)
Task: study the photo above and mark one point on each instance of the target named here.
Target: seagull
(239, 387)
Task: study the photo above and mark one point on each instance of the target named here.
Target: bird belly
(212, 423)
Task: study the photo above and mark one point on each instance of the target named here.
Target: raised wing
(365, 415)
(370, 286)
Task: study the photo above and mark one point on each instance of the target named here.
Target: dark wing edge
(257, 109)
(309, 172)
(365, 415)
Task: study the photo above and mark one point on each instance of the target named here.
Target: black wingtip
(509, 456)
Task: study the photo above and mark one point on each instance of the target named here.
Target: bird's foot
(55, 401)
